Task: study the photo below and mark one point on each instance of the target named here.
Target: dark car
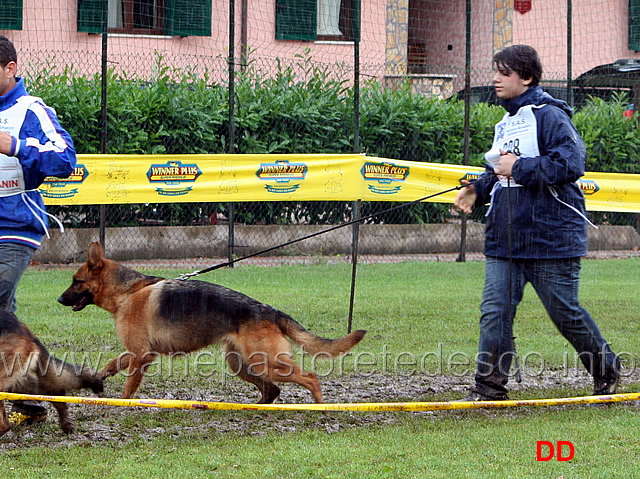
(622, 76)
(487, 94)
(602, 81)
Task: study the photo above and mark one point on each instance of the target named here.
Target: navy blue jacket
(541, 226)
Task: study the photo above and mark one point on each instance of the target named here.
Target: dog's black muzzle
(77, 301)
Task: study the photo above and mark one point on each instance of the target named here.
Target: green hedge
(178, 111)
(612, 140)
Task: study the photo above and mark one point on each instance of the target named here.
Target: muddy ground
(97, 425)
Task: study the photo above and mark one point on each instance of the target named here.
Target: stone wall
(502, 24)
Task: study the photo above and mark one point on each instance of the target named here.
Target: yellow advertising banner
(118, 179)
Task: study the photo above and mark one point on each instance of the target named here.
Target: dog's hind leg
(278, 365)
(238, 366)
(66, 424)
(284, 370)
(4, 422)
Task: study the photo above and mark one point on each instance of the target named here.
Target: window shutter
(11, 17)
(296, 19)
(185, 18)
(91, 15)
(634, 25)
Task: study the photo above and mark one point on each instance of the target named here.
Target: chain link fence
(202, 234)
(435, 48)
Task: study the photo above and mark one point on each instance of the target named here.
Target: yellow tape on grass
(364, 407)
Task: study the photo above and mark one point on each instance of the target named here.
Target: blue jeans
(14, 259)
(556, 282)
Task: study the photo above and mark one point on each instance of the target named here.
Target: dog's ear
(95, 255)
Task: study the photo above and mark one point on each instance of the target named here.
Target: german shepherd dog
(26, 367)
(155, 316)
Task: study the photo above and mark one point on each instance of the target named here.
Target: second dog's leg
(66, 424)
(4, 422)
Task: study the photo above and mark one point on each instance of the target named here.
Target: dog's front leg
(115, 365)
(137, 368)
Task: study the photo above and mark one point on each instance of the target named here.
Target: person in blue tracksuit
(536, 229)
(33, 146)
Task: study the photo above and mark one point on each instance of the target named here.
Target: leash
(186, 276)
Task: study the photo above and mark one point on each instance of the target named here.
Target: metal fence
(213, 233)
(439, 47)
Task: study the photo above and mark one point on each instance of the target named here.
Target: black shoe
(608, 384)
(476, 396)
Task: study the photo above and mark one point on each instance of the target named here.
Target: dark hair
(7, 51)
(522, 59)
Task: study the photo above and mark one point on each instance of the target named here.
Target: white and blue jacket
(548, 217)
(40, 148)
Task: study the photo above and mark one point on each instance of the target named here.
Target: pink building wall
(49, 37)
(599, 33)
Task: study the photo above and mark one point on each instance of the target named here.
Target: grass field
(421, 344)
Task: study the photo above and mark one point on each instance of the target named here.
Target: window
(152, 17)
(318, 20)
(11, 16)
(130, 16)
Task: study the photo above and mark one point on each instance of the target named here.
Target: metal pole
(354, 259)
(462, 257)
(231, 235)
(231, 65)
(103, 116)
(356, 96)
(244, 48)
(570, 98)
(356, 149)
(232, 126)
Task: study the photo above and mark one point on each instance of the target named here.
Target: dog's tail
(315, 344)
